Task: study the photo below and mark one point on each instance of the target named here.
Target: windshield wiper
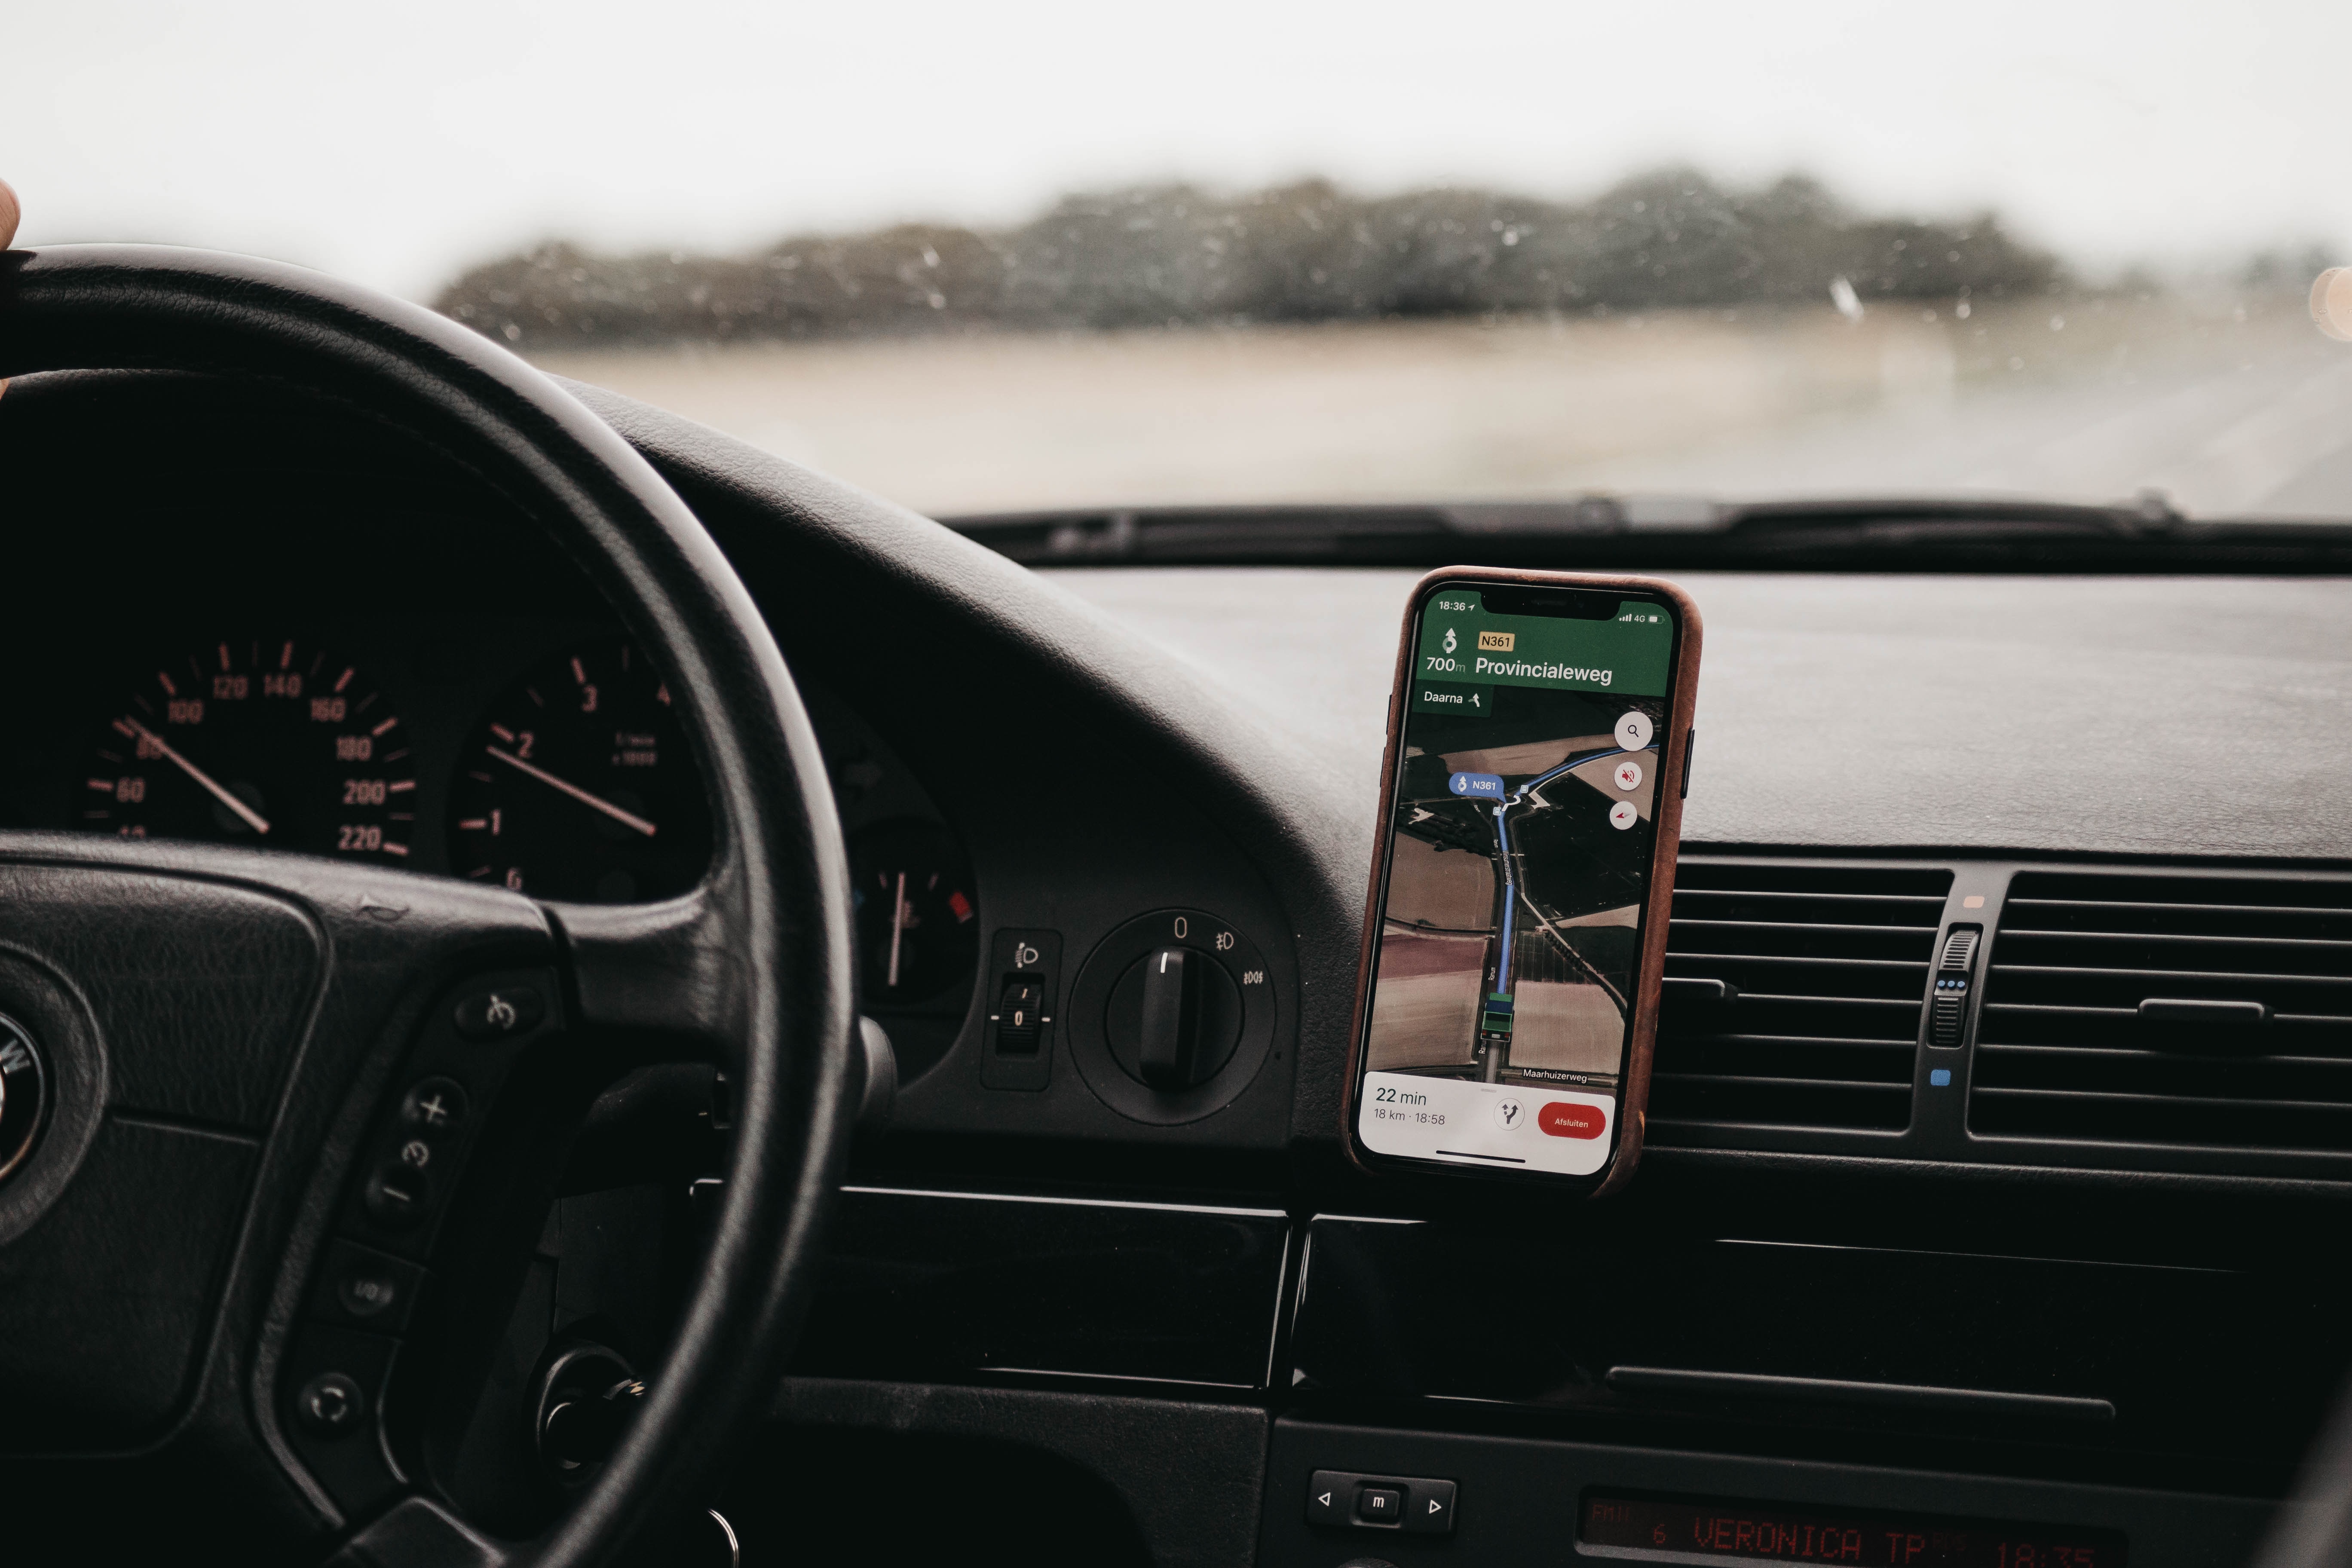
(1891, 535)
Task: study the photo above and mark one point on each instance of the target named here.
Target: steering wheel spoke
(664, 979)
(420, 1532)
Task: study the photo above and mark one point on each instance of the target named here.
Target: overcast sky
(398, 143)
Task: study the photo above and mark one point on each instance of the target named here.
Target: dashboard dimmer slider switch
(1016, 1047)
(1019, 1017)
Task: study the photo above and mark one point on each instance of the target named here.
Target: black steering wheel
(294, 1002)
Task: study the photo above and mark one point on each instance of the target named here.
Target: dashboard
(1866, 1277)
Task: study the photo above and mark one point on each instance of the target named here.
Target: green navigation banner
(1463, 643)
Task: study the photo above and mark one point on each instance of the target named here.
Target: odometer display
(262, 740)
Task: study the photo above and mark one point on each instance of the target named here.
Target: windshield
(1030, 256)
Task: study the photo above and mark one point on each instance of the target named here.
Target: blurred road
(2231, 408)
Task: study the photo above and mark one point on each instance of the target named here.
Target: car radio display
(1682, 1529)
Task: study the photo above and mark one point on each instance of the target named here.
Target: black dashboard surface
(2144, 716)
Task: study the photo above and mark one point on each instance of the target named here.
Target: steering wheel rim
(760, 956)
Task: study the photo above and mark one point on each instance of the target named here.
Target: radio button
(1428, 1508)
(1361, 1501)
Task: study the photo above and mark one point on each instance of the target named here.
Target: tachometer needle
(253, 818)
(627, 819)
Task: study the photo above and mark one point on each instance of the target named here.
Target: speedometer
(255, 740)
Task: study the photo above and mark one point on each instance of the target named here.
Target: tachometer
(580, 785)
(258, 739)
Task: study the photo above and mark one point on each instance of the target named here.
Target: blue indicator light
(1481, 787)
(1941, 1078)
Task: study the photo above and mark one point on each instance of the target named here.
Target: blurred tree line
(1177, 256)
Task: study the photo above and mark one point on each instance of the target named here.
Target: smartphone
(1538, 752)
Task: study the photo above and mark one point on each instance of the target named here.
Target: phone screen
(1518, 878)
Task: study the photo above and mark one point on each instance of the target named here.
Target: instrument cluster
(541, 754)
(575, 781)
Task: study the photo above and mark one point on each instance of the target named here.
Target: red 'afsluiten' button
(1562, 1119)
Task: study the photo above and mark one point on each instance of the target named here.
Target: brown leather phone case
(1674, 762)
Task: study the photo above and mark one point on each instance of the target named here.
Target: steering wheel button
(361, 1285)
(331, 1404)
(398, 1195)
(368, 1292)
(501, 1013)
(435, 1105)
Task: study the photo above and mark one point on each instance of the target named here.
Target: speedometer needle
(627, 819)
(253, 818)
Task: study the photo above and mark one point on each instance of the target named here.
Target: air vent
(2165, 1008)
(1793, 996)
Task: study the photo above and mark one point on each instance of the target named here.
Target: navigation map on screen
(1519, 865)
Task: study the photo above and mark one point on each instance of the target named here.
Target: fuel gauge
(918, 920)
